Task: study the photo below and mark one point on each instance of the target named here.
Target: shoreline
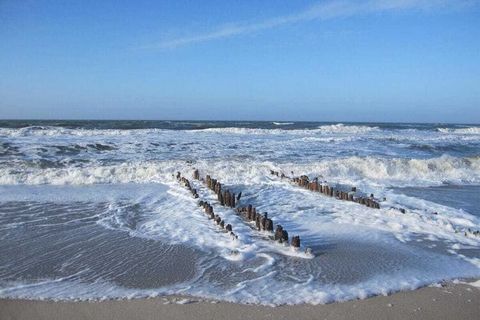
(450, 301)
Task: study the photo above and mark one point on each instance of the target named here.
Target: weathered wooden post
(268, 224)
(263, 220)
(278, 233)
(258, 221)
(281, 234)
(296, 241)
(229, 200)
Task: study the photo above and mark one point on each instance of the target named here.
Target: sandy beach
(271, 159)
(452, 301)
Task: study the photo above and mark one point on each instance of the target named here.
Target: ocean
(91, 210)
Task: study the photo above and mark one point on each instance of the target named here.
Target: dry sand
(453, 301)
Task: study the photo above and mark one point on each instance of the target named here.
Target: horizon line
(206, 120)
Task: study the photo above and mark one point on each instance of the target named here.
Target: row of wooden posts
(314, 185)
(206, 206)
(249, 213)
(262, 222)
(469, 231)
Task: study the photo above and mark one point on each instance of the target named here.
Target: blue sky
(340, 60)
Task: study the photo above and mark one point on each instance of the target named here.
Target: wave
(51, 131)
(358, 170)
(250, 131)
(342, 128)
(399, 171)
(326, 129)
(469, 130)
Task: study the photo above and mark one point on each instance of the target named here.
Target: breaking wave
(469, 130)
(341, 128)
(283, 123)
(366, 170)
(326, 129)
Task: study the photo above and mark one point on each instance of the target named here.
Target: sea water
(91, 209)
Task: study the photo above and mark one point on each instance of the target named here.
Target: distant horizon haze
(246, 121)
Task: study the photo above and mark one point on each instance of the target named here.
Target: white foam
(341, 128)
(360, 171)
(141, 163)
(393, 171)
(326, 129)
(474, 284)
(319, 220)
(468, 130)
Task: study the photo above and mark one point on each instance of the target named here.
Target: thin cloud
(321, 11)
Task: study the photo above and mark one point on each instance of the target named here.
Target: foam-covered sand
(388, 251)
(452, 301)
(89, 213)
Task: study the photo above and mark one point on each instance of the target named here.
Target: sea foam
(116, 184)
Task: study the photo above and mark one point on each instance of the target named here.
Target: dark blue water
(194, 124)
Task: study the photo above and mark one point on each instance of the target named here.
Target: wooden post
(258, 221)
(268, 224)
(249, 212)
(296, 241)
(278, 233)
(229, 199)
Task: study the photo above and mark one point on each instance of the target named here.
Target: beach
(314, 159)
(247, 214)
(451, 301)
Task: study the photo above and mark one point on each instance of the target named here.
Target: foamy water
(91, 210)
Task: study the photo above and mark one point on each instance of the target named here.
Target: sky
(334, 60)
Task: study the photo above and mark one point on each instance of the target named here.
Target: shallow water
(90, 210)
(466, 197)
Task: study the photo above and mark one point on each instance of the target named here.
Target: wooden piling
(296, 241)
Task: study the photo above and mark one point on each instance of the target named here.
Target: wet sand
(452, 301)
